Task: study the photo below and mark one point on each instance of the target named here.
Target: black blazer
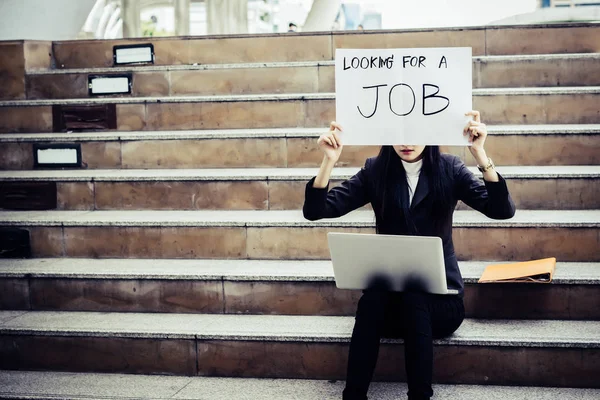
(490, 198)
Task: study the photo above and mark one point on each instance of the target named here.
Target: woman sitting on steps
(413, 191)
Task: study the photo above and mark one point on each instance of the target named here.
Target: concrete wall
(42, 19)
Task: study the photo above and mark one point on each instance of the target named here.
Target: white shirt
(412, 176)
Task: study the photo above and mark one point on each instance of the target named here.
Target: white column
(227, 16)
(92, 21)
(182, 17)
(322, 15)
(107, 13)
(131, 18)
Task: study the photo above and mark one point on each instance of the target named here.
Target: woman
(413, 191)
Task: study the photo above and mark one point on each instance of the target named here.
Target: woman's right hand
(330, 142)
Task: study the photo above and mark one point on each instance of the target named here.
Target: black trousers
(416, 317)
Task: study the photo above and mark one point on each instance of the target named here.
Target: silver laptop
(389, 262)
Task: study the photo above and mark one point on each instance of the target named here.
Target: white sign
(403, 96)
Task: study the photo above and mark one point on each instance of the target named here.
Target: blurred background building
(104, 19)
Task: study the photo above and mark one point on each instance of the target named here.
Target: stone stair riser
(562, 367)
(497, 40)
(298, 152)
(260, 194)
(18, 57)
(306, 79)
(535, 73)
(193, 82)
(527, 301)
(316, 47)
(495, 109)
(98, 354)
(223, 50)
(481, 365)
(566, 244)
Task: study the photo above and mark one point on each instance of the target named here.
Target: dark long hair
(391, 188)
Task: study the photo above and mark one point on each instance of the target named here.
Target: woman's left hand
(477, 132)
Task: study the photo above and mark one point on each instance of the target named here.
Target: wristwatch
(490, 165)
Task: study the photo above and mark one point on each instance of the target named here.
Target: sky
(404, 14)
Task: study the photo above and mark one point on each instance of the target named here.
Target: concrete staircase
(180, 249)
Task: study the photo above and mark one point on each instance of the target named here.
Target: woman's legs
(364, 345)
(425, 317)
(418, 344)
(420, 317)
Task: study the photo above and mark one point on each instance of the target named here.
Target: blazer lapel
(421, 191)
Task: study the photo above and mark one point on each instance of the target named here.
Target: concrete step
(488, 351)
(265, 287)
(534, 70)
(488, 40)
(289, 147)
(567, 235)
(303, 77)
(551, 187)
(31, 56)
(76, 386)
(566, 105)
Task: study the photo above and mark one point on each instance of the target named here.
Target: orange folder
(538, 271)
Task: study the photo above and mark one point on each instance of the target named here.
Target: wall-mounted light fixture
(109, 84)
(133, 54)
(62, 155)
